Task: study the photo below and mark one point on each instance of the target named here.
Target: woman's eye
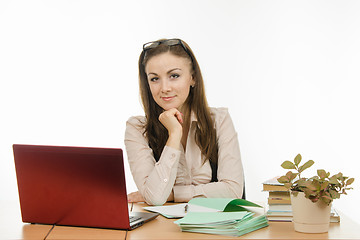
(154, 79)
(174, 76)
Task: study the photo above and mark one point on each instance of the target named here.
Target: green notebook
(232, 218)
(202, 205)
(222, 223)
(224, 204)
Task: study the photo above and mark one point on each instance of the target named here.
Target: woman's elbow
(237, 189)
(154, 199)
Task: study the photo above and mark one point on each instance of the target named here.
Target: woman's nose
(165, 86)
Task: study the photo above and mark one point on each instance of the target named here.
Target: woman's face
(170, 78)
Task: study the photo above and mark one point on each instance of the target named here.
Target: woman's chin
(168, 107)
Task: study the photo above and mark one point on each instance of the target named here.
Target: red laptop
(74, 186)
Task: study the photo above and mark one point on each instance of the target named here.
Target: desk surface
(11, 227)
(162, 228)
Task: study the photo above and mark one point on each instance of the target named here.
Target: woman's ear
(192, 81)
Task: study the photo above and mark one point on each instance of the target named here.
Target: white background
(287, 70)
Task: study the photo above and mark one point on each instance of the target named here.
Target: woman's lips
(167, 98)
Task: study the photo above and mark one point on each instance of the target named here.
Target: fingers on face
(172, 112)
(179, 116)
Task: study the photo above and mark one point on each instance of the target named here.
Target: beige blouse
(183, 175)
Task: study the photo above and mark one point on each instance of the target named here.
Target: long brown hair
(156, 133)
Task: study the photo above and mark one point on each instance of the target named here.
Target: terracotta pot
(309, 217)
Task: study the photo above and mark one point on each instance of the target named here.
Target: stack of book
(279, 203)
(222, 223)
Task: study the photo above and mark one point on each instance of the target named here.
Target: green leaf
(324, 185)
(297, 159)
(288, 165)
(339, 176)
(326, 199)
(306, 165)
(321, 173)
(350, 181)
(327, 194)
(310, 186)
(291, 176)
(334, 194)
(333, 180)
(283, 179)
(301, 182)
(316, 184)
(309, 193)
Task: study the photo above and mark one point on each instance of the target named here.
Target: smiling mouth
(167, 98)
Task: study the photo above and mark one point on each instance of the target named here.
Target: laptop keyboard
(134, 218)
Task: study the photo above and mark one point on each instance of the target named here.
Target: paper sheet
(178, 210)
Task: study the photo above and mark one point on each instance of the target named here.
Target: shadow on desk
(65, 232)
(35, 231)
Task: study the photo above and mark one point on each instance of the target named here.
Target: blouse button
(165, 180)
(173, 155)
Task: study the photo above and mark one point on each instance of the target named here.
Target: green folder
(224, 204)
(231, 228)
(215, 218)
(233, 220)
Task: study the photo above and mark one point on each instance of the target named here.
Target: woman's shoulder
(136, 122)
(136, 119)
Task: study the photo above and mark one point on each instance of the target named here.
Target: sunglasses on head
(167, 42)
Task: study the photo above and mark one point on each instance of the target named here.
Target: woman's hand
(135, 197)
(172, 120)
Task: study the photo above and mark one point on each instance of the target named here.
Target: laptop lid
(75, 186)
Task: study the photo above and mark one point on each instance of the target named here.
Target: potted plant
(311, 197)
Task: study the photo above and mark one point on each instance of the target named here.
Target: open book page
(178, 210)
(224, 204)
(217, 218)
(206, 205)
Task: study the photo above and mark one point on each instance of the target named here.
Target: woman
(182, 148)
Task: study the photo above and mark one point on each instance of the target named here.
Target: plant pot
(309, 217)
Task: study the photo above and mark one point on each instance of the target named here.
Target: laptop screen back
(73, 186)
